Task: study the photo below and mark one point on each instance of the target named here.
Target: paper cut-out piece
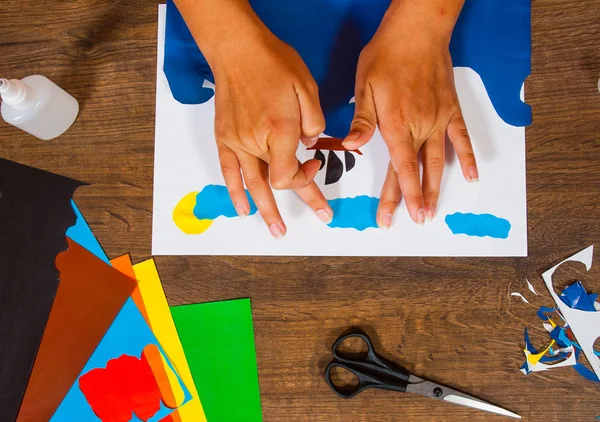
(90, 295)
(585, 325)
(128, 335)
(575, 297)
(35, 213)
(349, 160)
(517, 294)
(479, 225)
(492, 38)
(153, 304)
(184, 218)
(82, 234)
(332, 144)
(214, 201)
(335, 168)
(530, 287)
(321, 157)
(218, 340)
(354, 213)
(541, 361)
(127, 385)
(196, 211)
(565, 349)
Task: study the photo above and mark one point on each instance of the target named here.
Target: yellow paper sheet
(158, 316)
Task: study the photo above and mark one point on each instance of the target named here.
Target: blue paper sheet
(491, 37)
(82, 234)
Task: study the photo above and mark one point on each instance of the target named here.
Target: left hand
(405, 83)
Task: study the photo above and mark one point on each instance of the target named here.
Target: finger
(255, 173)
(459, 136)
(315, 199)
(230, 167)
(364, 121)
(389, 199)
(312, 120)
(406, 165)
(285, 171)
(432, 157)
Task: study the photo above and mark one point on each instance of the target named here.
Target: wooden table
(452, 320)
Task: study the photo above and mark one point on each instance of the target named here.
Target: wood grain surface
(451, 320)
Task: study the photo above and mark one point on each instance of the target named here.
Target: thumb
(312, 121)
(364, 121)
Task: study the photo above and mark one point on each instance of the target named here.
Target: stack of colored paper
(96, 340)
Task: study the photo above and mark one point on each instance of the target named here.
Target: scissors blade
(440, 392)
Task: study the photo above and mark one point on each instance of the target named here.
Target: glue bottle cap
(12, 91)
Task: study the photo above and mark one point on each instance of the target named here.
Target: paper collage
(573, 326)
(193, 214)
(35, 211)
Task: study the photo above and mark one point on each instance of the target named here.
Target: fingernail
(420, 217)
(325, 216)
(276, 230)
(473, 174)
(241, 210)
(386, 221)
(350, 140)
(429, 213)
(311, 142)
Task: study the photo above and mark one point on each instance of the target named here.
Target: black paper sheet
(35, 213)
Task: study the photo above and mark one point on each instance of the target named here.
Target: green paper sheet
(218, 342)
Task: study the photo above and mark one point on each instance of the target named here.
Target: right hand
(265, 102)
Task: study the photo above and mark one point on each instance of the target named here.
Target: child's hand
(405, 83)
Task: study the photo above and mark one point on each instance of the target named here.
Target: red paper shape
(126, 385)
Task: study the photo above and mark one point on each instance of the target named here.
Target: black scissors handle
(372, 371)
(365, 381)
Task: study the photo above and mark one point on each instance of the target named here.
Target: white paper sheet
(186, 161)
(585, 325)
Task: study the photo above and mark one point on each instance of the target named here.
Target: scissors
(373, 371)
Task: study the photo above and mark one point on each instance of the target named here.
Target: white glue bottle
(38, 106)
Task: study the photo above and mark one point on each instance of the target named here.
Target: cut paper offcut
(151, 301)
(129, 335)
(90, 295)
(530, 287)
(218, 340)
(585, 325)
(564, 348)
(517, 294)
(129, 384)
(479, 225)
(186, 161)
(35, 213)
